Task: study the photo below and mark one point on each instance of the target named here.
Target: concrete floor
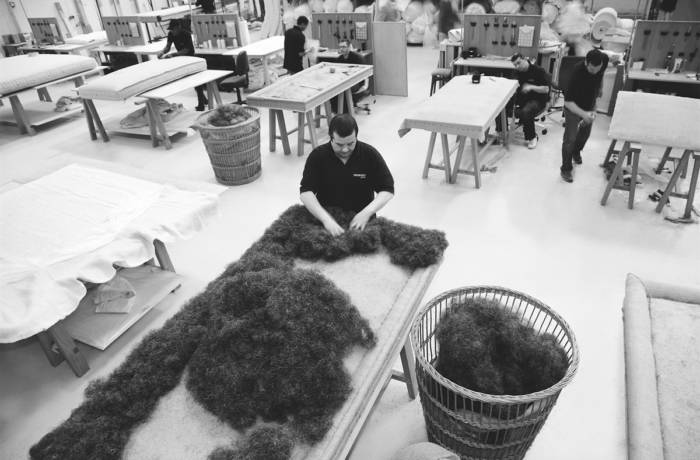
(525, 229)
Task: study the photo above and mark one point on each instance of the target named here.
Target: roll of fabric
(604, 19)
(625, 24)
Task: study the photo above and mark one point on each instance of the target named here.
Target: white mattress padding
(28, 70)
(72, 225)
(139, 78)
(93, 37)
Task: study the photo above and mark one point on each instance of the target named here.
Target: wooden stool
(690, 196)
(625, 152)
(441, 76)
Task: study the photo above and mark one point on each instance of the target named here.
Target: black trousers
(575, 136)
(526, 110)
(201, 98)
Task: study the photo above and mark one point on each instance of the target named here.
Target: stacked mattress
(139, 78)
(28, 70)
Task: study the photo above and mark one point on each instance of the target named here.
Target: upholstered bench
(134, 81)
(37, 71)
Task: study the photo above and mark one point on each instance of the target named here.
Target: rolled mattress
(28, 70)
(139, 78)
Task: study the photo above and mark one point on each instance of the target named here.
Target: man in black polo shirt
(294, 42)
(345, 173)
(531, 98)
(579, 108)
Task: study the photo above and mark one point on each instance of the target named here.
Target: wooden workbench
(443, 114)
(655, 119)
(303, 93)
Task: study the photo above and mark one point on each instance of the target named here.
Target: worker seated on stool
(360, 90)
(531, 97)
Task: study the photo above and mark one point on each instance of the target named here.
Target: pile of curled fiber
(298, 234)
(263, 341)
(485, 348)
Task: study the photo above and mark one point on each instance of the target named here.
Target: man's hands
(588, 119)
(360, 220)
(332, 227)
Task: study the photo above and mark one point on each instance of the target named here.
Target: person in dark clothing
(294, 46)
(579, 108)
(347, 56)
(345, 173)
(447, 19)
(179, 35)
(207, 6)
(531, 98)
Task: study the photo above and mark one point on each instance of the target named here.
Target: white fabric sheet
(72, 225)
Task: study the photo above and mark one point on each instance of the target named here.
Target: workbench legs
(446, 166)
(690, 196)
(59, 346)
(305, 120)
(21, 116)
(408, 376)
(93, 119)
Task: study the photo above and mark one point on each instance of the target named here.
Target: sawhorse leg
(693, 186)
(611, 150)
(89, 105)
(674, 178)
(160, 126)
(429, 156)
(408, 376)
(664, 158)
(283, 132)
(300, 133)
(446, 158)
(616, 173)
(58, 346)
(213, 89)
(312, 128)
(458, 158)
(21, 116)
(272, 115)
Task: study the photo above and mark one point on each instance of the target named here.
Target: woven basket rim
(485, 397)
(202, 121)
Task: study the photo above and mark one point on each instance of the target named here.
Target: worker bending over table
(295, 46)
(531, 98)
(345, 173)
(579, 108)
(180, 35)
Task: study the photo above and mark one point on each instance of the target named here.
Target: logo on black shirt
(360, 176)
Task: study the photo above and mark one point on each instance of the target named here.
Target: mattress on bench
(28, 70)
(139, 78)
(94, 37)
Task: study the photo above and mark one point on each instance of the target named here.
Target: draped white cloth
(72, 225)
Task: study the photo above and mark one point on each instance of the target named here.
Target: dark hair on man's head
(302, 21)
(517, 56)
(594, 57)
(343, 125)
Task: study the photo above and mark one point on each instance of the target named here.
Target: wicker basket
(234, 151)
(476, 425)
